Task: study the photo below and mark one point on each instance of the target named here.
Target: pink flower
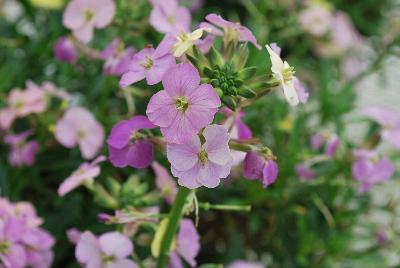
(304, 172)
(117, 58)
(82, 16)
(164, 182)
(65, 51)
(110, 250)
(245, 264)
(316, 20)
(168, 17)
(301, 91)
(332, 145)
(22, 152)
(148, 63)
(389, 120)
(256, 167)
(197, 164)
(79, 127)
(127, 146)
(12, 253)
(184, 106)
(317, 141)
(38, 244)
(187, 245)
(73, 235)
(84, 174)
(369, 169)
(233, 31)
(331, 142)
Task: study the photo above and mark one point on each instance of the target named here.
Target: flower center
(81, 134)
(147, 63)
(182, 103)
(288, 74)
(203, 157)
(18, 104)
(171, 20)
(89, 15)
(107, 259)
(135, 135)
(4, 245)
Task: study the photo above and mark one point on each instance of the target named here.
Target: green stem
(208, 206)
(174, 218)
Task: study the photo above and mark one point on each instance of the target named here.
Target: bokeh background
(322, 223)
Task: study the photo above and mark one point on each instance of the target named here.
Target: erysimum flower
(84, 174)
(149, 63)
(82, 16)
(127, 146)
(110, 250)
(304, 172)
(369, 169)
(256, 167)
(284, 74)
(232, 31)
(22, 152)
(332, 145)
(117, 59)
(12, 253)
(65, 51)
(196, 163)
(165, 183)
(79, 127)
(389, 120)
(184, 106)
(168, 17)
(186, 40)
(245, 264)
(187, 245)
(330, 141)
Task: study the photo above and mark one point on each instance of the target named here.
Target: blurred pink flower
(168, 17)
(65, 51)
(82, 16)
(73, 235)
(184, 106)
(332, 145)
(256, 167)
(117, 59)
(245, 264)
(369, 169)
(316, 19)
(164, 182)
(12, 253)
(304, 172)
(197, 164)
(317, 141)
(234, 31)
(148, 63)
(301, 91)
(79, 127)
(389, 120)
(187, 245)
(127, 146)
(22, 152)
(84, 174)
(109, 250)
(330, 141)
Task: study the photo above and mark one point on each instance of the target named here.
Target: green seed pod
(229, 102)
(246, 92)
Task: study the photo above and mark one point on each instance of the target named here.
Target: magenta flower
(22, 152)
(127, 146)
(389, 120)
(110, 250)
(369, 169)
(304, 172)
(148, 63)
(165, 183)
(168, 17)
(256, 167)
(12, 253)
(231, 31)
(117, 59)
(187, 245)
(197, 164)
(73, 235)
(79, 127)
(82, 16)
(184, 106)
(84, 174)
(38, 243)
(332, 145)
(65, 51)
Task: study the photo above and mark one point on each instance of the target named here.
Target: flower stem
(174, 218)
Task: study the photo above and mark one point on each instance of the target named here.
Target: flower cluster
(22, 242)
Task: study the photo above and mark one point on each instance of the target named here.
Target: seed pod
(229, 102)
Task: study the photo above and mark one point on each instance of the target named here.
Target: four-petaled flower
(184, 106)
(198, 163)
(168, 17)
(256, 166)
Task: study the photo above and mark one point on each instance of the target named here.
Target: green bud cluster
(224, 79)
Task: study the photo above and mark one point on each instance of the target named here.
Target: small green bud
(209, 72)
(246, 92)
(215, 57)
(232, 91)
(219, 91)
(229, 102)
(238, 82)
(214, 82)
(224, 86)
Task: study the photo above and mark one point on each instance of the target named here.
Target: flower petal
(181, 80)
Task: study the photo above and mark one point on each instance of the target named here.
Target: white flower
(284, 73)
(187, 40)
